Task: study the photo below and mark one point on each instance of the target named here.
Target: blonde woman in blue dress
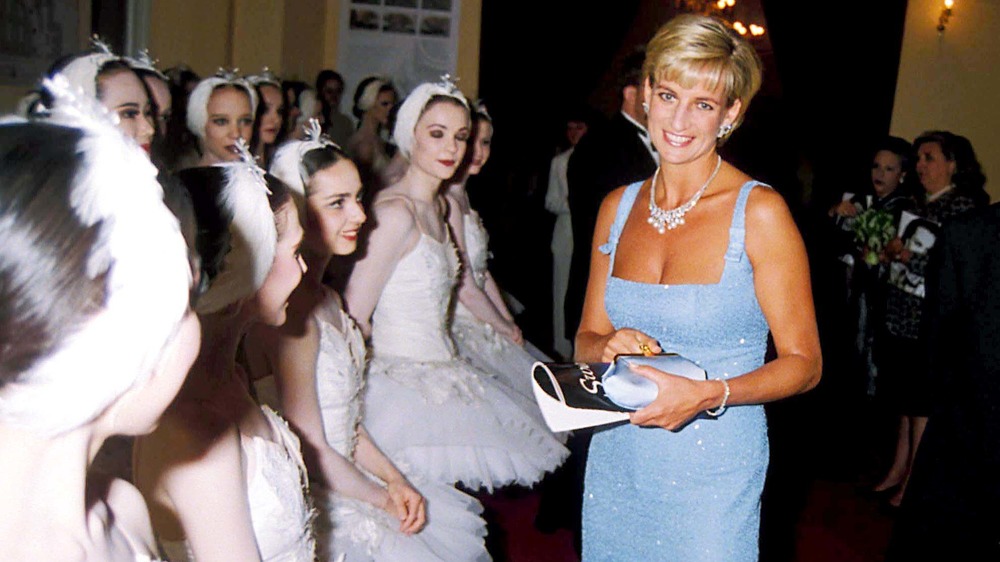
(703, 261)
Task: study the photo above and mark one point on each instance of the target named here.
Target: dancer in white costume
(368, 508)
(484, 330)
(224, 477)
(427, 408)
(95, 329)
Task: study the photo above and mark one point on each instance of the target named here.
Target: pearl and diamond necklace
(664, 220)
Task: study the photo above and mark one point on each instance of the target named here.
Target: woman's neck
(316, 264)
(369, 124)
(677, 183)
(207, 159)
(221, 333)
(420, 185)
(43, 482)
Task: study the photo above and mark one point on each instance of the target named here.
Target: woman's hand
(845, 209)
(628, 342)
(510, 331)
(678, 400)
(407, 504)
(893, 249)
(515, 334)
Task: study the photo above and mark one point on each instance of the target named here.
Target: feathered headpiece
(368, 96)
(142, 254)
(413, 107)
(82, 72)
(197, 107)
(143, 61)
(286, 165)
(264, 77)
(253, 235)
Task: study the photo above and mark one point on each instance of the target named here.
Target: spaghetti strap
(621, 216)
(737, 228)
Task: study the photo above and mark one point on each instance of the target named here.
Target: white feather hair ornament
(286, 164)
(368, 96)
(413, 107)
(253, 234)
(82, 72)
(143, 254)
(197, 106)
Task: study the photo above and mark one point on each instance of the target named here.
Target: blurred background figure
(557, 203)
(330, 86)
(953, 181)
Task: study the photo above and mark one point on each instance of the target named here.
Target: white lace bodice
(411, 318)
(476, 246)
(340, 372)
(276, 487)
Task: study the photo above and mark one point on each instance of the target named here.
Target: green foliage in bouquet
(873, 229)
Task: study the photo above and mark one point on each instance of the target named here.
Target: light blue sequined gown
(691, 495)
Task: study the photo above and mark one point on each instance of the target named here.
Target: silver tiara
(229, 75)
(99, 45)
(314, 133)
(265, 76)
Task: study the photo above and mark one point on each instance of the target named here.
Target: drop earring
(645, 107)
(724, 130)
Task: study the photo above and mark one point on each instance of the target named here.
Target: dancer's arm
(194, 460)
(407, 502)
(597, 340)
(469, 293)
(394, 237)
(291, 350)
(782, 285)
(493, 292)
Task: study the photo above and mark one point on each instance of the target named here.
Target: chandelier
(724, 9)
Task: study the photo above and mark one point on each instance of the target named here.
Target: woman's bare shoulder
(610, 202)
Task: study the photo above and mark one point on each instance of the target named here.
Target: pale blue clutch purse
(631, 391)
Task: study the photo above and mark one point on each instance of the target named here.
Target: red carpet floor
(839, 523)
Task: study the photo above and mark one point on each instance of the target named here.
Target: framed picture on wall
(407, 41)
(35, 34)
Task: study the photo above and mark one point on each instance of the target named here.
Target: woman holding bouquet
(703, 261)
(953, 181)
(867, 221)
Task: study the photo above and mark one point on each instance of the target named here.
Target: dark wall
(830, 78)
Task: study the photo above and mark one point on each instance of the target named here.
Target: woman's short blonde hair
(694, 50)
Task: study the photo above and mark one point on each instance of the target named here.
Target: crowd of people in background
(289, 313)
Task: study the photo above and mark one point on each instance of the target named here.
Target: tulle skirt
(449, 422)
(479, 344)
(454, 531)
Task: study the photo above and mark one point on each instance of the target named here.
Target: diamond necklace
(663, 220)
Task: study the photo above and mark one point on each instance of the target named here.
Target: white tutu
(454, 531)
(434, 412)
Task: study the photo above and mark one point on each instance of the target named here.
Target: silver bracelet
(725, 398)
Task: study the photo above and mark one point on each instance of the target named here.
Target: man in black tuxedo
(951, 510)
(610, 157)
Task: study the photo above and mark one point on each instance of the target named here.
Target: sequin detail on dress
(693, 494)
